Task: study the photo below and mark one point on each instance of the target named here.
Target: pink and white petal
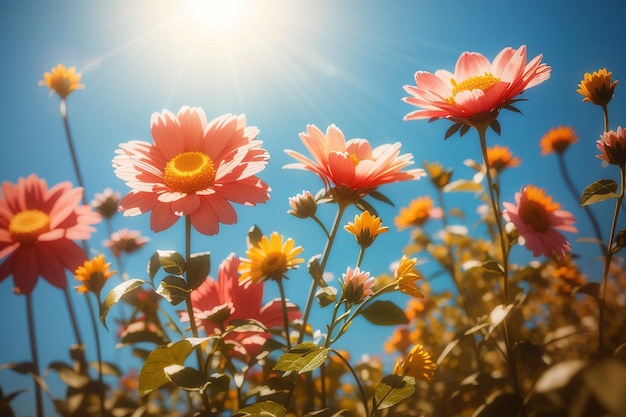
(166, 134)
(271, 314)
(162, 217)
(335, 140)
(186, 205)
(205, 220)
(471, 64)
(341, 169)
(502, 60)
(221, 136)
(171, 196)
(249, 191)
(361, 148)
(7, 249)
(6, 267)
(138, 202)
(433, 83)
(192, 121)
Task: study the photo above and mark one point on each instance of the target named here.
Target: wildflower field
(238, 208)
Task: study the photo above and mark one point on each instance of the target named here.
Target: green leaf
(189, 379)
(315, 270)
(384, 313)
(254, 236)
(326, 296)
(463, 186)
(365, 205)
(174, 289)
(392, 389)
(198, 269)
(452, 130)
(23, 368)
(152, 375)
(620, 241)
(172, 262)
(115, 295)
(68, 375)
(142, 336)
(265, 408)
(598, 191)
(302, 358)
(591, 288)
(153, 266)
(381, 197)
(493, 266)
(327, 412)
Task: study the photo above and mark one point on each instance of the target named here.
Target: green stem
(70, 309)
(70, 144)
(192, 319)
(35, 355)
(360, 258)
(356, 379)
(607, 263)
(283, 301)
(605, 112)
(329, 243)
(94, 324)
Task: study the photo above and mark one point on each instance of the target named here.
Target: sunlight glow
(215, 15)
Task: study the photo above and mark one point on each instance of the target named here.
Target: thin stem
(356, 379)
(94, 323)
(70, 309)
(192, 319)
(70, 143)
(360, 258)
(607, 262)
(283, 301)
(576, 195)
(605, 112)
(34, 353)
(329, 243)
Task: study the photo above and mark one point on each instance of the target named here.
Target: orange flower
(537, 219)
(417, 213)
(62, 81)
(365, 228)
(407, 276)
(193, 168)
(400, 341)
(417, 364)
(93, 274)
(597, 87)
(38, 227)
(353, 163)
(477, 90)
(500, 158)
(270, 259)
(612, 145)
(558, 140)
(438, 175)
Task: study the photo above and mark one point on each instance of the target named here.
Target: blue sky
(285, 65)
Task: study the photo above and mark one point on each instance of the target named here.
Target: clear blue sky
(288, 65)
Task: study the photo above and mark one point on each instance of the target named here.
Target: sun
(215, 15)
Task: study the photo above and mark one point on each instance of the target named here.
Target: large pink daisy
(537, 219)
(477, 89)
(38, 227)
(218, 303)
(353, 163)
(193, 168)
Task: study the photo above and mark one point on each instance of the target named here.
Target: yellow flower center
(534, 215)
(274, 264)
(27, 225)
(354, 159)
(189, 172)
(477, 82)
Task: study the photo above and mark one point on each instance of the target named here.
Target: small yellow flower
(439, 176)
(93, 274)
(417, 364)
(407, 276)
(417, 213)
(62, 80)
(269, 259)
(500, 158)
(365, 228)
(558, 139)
(597, 87)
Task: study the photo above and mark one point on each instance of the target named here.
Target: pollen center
(26, 225)
(535, 215)
(354, 158)
(477, 82)
(189, 172)
(274, 264)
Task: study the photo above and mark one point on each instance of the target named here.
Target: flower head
(230, 301)
(38, 226)
(62, 80)
(558, 139)
(93, 274)
(419, 211)
(439, 176)
(477, 90)
(365, 228)
(537, 219)
(501, 158)
(125, 241)
(193, 168)
(353, 163)
(598, 87)
(612, 145)
(407, 276)
(303, 205)
(271, 258)
(106, 203)
(357, 285)
(417, 364)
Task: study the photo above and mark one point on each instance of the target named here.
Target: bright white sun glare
(215, 15)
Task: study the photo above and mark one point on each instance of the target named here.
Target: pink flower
(352, 163)
(218, 303)
(357, 285)
(537, 219)
(125, 241)
(612, 145)
(38, 227)
(478, 89)
(193, 168)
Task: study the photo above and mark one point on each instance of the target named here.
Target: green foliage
(172, 262)
(384, 313)
(391, 390)
(598, 191)
(265, 408)
(174, 289)
(302, 358)
(115, 295)
(198, 269)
